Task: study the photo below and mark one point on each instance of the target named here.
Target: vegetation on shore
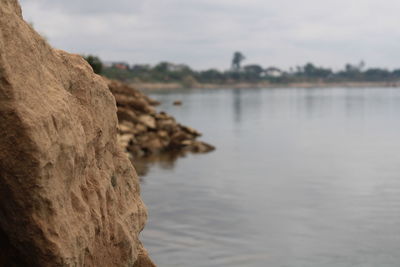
(186, 77)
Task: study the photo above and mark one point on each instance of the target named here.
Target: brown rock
(125, 139)
(140, 129)
(139, 104)
(177, 140)
(154, 145)
(191, 131)
(163, 116)
(177, 103)
(143, 259)
(187, 142)
(68, 194)
(167, 125)
(126, 127)
(148, 120)
(125, 114)
(201, 147)
(162, 134)
(152, 101)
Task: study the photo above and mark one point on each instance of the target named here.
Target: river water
(300, 177)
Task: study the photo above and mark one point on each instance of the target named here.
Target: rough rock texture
(68, 195)
(145, 132)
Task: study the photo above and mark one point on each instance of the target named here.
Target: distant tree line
(252, 73)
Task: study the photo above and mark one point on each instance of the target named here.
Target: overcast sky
(205, 33)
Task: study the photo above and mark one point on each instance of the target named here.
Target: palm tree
(238, 57)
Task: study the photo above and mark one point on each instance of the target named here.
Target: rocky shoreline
(145, 133)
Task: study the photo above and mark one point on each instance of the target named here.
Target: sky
(205, 33)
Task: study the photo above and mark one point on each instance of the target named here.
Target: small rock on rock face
(177, 103)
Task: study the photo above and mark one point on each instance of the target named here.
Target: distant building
(273, 72)
(118, 65)
(121, 65)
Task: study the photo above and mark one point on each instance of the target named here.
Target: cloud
(100, 7)
(205, 33)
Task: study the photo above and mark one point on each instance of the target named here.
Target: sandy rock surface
(68, 195)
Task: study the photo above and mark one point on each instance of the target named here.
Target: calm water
(301, 177)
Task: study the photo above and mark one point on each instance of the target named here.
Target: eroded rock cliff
(68, 195)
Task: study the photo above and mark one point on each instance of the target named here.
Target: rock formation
(68, 195)
(145, 132)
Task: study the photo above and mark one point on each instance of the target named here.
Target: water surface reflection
(301, 177)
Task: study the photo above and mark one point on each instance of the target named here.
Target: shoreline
(179, 86)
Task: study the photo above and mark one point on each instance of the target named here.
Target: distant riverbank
(174, 85)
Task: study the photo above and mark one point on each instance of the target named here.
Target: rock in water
(144, 132)
(68, 195)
